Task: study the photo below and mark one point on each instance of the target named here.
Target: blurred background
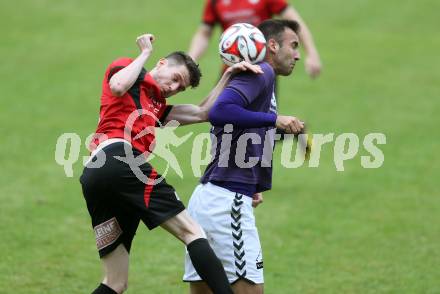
(323, 231)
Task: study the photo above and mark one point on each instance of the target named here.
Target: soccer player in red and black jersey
(118, 197)
(228, 12)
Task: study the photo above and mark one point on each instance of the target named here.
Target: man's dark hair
(179, 57)
(274, 28)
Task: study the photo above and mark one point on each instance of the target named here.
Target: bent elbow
(214, 117)
(203, 115)
(117, 90)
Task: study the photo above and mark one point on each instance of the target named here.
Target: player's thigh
(199, 288)
(244, 287)
(183, 227)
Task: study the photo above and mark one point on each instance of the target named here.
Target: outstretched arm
(189, 113)
(313, 61)
(230, 109)
(200, 41)
(124, 79)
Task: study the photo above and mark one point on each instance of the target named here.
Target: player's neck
(153, 73)
(270, 61)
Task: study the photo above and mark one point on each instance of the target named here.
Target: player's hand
(244, 66)
(290, 124)
(313, 65)
(145, 43)
(257, 199)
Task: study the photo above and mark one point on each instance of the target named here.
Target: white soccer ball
(242, 41)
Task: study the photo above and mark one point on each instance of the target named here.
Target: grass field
(323, 231)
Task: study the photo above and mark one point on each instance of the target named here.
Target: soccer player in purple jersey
(244, 119)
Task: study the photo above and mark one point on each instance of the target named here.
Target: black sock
(208, 266)
(104, 289)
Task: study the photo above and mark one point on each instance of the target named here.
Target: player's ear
(273, 45)
(162, 62)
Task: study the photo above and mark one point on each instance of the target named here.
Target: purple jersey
(244, 155)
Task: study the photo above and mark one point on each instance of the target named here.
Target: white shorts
(229, 223)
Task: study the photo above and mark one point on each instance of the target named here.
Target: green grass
(323, 231)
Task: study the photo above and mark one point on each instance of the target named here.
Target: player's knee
(184, 228)
(192, 233)
(187, 235)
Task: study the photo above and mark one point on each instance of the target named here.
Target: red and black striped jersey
(134, 115)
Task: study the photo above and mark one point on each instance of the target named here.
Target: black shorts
(117, 200)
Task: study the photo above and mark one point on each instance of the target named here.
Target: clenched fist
(144, 43)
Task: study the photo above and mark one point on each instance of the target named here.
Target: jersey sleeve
(276, 6)
(209, 15)
(250, 85)
(117, 65)
(230, 109)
